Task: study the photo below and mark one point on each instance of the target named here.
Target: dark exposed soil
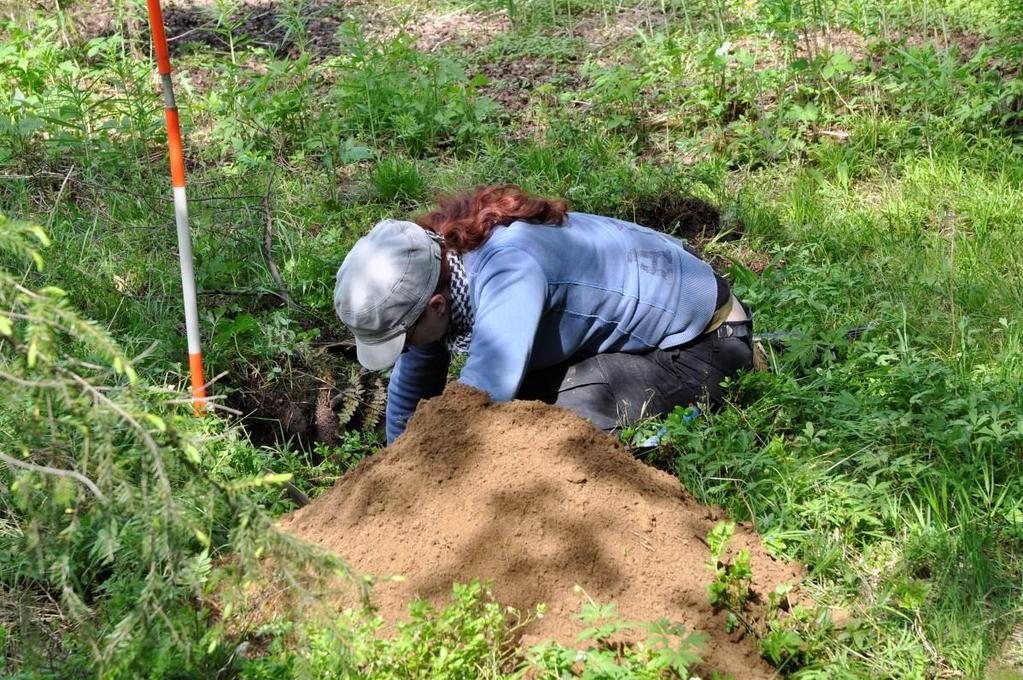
(275, 412)
(320, 397)
(198, 25)
(537, 499)
(511, 83)
(254, 25)
(689, 217)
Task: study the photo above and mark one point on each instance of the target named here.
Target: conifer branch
(56, 472)
(147, 438)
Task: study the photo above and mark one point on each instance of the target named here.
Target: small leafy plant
(731, 586)
(780, 643)
(666, 650)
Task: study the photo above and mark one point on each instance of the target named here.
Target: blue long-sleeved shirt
(543, 294)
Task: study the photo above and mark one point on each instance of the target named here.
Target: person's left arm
(512, 294)
(419, 373)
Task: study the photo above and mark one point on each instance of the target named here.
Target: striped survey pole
(177, 168)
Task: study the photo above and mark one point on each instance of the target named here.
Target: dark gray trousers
(613, 390)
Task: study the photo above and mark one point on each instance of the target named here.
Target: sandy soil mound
(538, 500)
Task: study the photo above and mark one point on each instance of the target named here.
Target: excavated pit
(537, 500)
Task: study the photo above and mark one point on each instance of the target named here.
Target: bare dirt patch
(536, 499)
(1008, 663)
(964, 43)
(460, 29)
(611, 28)
(771, 52)
(511, 84)
(833, 40)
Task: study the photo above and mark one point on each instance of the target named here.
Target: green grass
(880, 179)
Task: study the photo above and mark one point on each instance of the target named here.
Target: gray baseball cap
(383, 286)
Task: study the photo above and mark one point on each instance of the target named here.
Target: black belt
(735, 329)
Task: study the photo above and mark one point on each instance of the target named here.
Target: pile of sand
(536, 499)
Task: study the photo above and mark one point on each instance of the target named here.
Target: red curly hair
(466, 220)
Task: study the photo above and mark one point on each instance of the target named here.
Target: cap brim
(380, 355)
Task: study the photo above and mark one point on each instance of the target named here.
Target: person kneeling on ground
(608, 318)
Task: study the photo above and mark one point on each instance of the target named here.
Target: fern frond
(350, 399)
(375, 404)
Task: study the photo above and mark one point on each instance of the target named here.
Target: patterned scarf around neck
(459, 334)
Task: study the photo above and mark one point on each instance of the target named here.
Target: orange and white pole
(177, 168)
